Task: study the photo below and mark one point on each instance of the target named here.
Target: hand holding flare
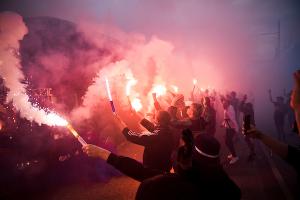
(95, 151)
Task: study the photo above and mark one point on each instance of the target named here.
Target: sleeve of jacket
(143, 139)
(131, 167)
(147, 124)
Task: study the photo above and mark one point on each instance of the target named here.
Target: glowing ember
(130, 83)
(136, 104)
(159, 90)
(175, 88)
(195, 81)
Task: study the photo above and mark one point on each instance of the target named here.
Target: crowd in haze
(181, 158)
(197, 169)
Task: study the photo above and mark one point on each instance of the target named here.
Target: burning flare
(136, 104)
(160, 90)
(175, 88)
(74, 132)
(195, 81)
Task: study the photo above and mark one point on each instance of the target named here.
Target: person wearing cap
(198, 174)
(158, 141)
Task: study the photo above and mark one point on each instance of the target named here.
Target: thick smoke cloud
(13, 30)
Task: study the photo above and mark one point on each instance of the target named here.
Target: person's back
(157, 153)
(158, 143)
(189, 186)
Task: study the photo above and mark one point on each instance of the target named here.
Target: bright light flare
(175, 88)
(195, 81)
(129, 84)
(136, 104)
(55, 120)
(159, 90)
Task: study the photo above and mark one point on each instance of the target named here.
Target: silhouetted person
(231, 129)
(248, 112)
(234, 101)
(279, 115)
(158, 142)
(209, 116)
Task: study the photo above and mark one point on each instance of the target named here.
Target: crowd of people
(181, 157)
(197, 169)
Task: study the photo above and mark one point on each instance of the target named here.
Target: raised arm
(147, 125)
(139, 138)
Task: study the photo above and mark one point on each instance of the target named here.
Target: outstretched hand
(95, 151)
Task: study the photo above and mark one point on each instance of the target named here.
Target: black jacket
(158, 147)
(191, 184)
